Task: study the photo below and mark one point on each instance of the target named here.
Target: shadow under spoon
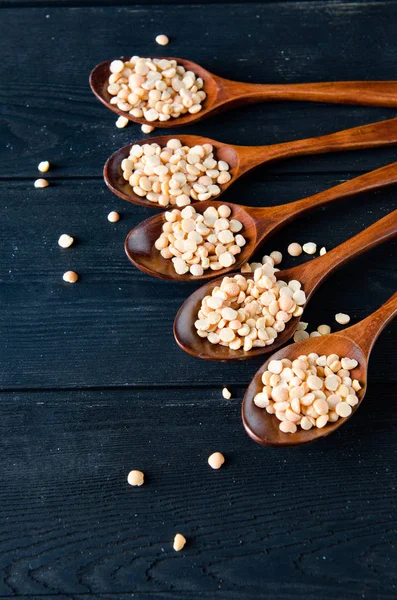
(224, 94)
(311, 275)
(259, 224)
(243, 159)
(354, 342)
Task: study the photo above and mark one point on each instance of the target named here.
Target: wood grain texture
(114, 327)
(72, 526)
(97, 384)
(55, 116)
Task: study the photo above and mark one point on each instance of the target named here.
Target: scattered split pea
(113, 216)
(43, 166)
(41, 183)
(179, 542)
(294, 249)
(216, 460)
(162, 40)
(65, 240)
(342, 318)
(135, 478)
(147, 128)
(310, 248)
(122, 122)
(70, 277)
(226, 393)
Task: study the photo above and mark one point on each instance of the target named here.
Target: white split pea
(162, 40)
(65, 240)
(147, 128)
(122, 122)
(274, 258)
(216, 460)
(323, 251)
(43, 166)
(300, 335)
(196, 242)
(175, 174)
(179, 542)
(309, 248)
(324, 329)
(70, 277)
(41, 183)
(342, 318)
(113, 217)
(309, 391)
(294, 249)
(226, 393)
(155, 89)
(135, 478)
(246, 313)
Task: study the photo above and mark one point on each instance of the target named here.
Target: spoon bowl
(115, 181)
(264, 428)
(99, 81)
(243, 159)
(355, 342)
(310, 274)
(139, 245)
(223, 93)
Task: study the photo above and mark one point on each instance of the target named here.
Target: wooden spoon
(244, 158)
(311, 274)
(354, 342)
(223, 94)
(259, 224)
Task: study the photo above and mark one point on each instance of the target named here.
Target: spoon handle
(373, 135)
(318, 269)
(366, 332)
(373, 180)
(364, 93)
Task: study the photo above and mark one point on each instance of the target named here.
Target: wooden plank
(94, 3)
(275, 523)
(54, 115)
(114, 328)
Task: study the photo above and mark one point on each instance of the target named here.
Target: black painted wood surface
(92, 383)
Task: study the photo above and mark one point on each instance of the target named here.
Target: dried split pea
(323, 251)
(162, 40)
(310, 248)
(70, 277)
(122, 122)
(342, 318)
(294, 249)
(216, 460)
(41, 183)
(135, 478)
(65, 240)
(43, 166)
(226, 393)
(113, 216)
(147, 128)
(179, 542)
(324, 329)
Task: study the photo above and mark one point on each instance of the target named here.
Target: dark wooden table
(92, 382)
